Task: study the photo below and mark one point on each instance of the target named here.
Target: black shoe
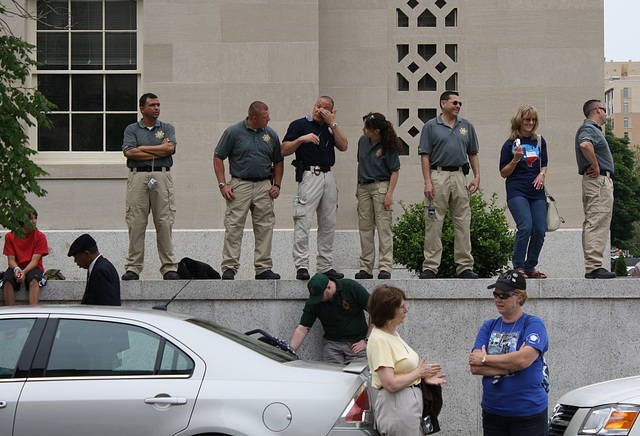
(130, 275)
(600, 273)
(468, 274)
(228, 274)
(362, 274)
(427, 274)
(334, 275)
(267, 275)
(303, 274)
(171, 275)
(384, 275)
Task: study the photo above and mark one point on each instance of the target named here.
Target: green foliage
(626, 185)
(20, 107)
(620, 267)
(491, 239)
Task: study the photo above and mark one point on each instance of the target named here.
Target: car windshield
(249, 342)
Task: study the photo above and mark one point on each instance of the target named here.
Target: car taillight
(358, 413)
(359, 408)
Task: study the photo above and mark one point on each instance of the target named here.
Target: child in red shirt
(25, 261)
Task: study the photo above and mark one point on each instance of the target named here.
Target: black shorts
(35, 273)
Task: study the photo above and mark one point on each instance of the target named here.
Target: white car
(84, 370)
(607, 408)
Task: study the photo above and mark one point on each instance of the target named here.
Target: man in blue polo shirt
(595, 165)
(252, 149)
(313, 139)
(448, 147)
(149, 146)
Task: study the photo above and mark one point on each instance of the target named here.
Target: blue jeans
(496, 425)
(531, 219)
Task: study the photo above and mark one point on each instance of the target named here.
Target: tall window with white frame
(88, 55)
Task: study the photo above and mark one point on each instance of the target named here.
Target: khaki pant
(254, 197)
(597, 203)
(316, 194)
(340, 352)
(140, 200)
(371, 216)
(450, 189)
(399, 413)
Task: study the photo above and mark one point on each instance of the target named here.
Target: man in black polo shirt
(340, 307)
(251, 147)
(314, 139)
(149, 146)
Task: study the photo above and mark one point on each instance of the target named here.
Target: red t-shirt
(23, 249)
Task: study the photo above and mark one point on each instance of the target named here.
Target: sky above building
(622, 30)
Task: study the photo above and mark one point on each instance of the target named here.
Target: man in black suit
(103, 283)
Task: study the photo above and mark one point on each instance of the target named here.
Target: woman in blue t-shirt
(509, 355)
(523, 163)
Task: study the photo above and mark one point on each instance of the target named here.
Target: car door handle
(166, 400)
(3, 404)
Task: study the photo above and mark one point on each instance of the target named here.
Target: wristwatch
(222, 185)
(334, 125)
(484, 359)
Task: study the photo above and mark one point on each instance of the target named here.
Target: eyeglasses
(502, 296)
(530, 120)
(456, 103)
(402, 308)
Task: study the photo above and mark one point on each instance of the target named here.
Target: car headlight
(610, 419)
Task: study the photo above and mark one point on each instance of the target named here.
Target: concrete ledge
(561, 254)
(591, 324)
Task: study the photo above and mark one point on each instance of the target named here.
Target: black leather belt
(373, 181)
(317, 169)
(607, 174)
(252, 179)
(450, 169)
(148, 169)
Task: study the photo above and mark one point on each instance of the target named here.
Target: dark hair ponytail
(388, 137)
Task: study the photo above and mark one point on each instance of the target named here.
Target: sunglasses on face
(502, 296)
(456, 103)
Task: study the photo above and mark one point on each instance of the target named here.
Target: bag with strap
(553, 216)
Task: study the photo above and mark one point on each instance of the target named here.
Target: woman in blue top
(509, 354)
(523, 162)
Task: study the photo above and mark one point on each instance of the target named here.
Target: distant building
(622, 83)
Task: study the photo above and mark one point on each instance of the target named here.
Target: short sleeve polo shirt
(342, 318)
(138, 134)
(250, 152)
(446, 145)
(589, 131)
(323, 154)
(374, 164)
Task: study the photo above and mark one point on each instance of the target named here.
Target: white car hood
(622, 390)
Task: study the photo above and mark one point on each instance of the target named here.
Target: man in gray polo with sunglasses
(595, 165)
(448, 148)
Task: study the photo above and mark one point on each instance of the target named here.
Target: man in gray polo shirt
(595, 165)
(252, 149)
(149, 146)
(448, 147)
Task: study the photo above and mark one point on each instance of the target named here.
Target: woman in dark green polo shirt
(378, 169)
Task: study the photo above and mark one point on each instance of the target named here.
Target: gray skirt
(399, 414)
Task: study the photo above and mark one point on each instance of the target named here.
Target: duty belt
(148, 169)
(317, 169)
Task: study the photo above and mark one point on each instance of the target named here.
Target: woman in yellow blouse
(395, 367)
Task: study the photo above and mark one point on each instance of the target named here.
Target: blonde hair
(524, 294)
(526, 111)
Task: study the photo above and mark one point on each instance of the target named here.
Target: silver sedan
(86, 370)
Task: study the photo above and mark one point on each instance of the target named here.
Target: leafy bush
(491, 239)
(620, 267)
